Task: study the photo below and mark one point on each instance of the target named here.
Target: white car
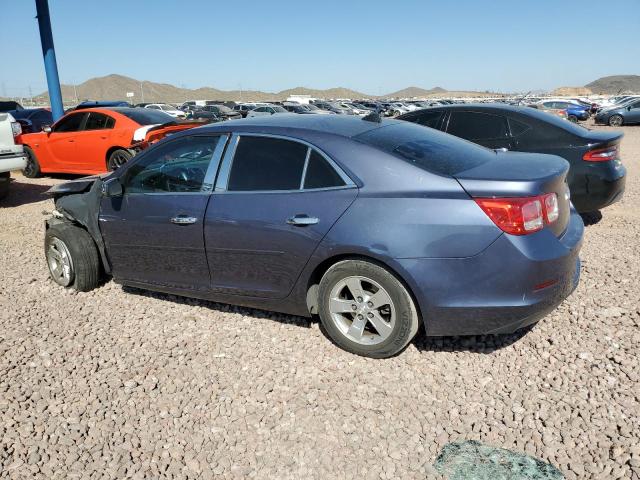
(266, 110)
(12, 156)
(168, 109)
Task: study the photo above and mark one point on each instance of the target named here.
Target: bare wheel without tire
(118, 158)
(615, 120)
(366, 310)
(72, 257)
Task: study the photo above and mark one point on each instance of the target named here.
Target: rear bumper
(603, 185)
(498, 290)
(13, 162)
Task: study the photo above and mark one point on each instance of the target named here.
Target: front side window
(98, 121)
(477, 126)
(70, 123)
(175, 167)
(263, 163)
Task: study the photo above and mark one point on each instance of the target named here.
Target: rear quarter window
(428, 149)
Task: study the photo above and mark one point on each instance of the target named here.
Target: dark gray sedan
(374, 225)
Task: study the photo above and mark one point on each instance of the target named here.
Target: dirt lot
(116, 383)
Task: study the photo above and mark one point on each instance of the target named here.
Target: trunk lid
(512, 174)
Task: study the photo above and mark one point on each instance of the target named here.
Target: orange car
(95, 140)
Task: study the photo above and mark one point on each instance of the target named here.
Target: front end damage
(78, 202)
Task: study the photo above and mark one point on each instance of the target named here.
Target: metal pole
(49, 54)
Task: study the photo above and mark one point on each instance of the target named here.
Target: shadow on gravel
(223, 307)
(23, 194)
(472, 343)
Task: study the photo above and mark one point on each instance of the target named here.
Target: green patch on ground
(471, 460)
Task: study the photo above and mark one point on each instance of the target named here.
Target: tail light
(16, 129)
(601, 154)
(521, 216)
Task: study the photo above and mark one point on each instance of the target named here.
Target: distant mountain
(572, 92)
(411, 92)
(116, 87)
(615, 83)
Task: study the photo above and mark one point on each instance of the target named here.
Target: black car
(8, 105)
(197, 113)
(222, 111)
(243, 109)
(32, 119)
(100, 104)
(596, 177)
(302, 109)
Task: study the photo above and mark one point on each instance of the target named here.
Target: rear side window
(428, 119)
(98, 121)
(477, 126)
(262, 163)
(517, 128)
(146, 116)
(427, 149)
(320, 174)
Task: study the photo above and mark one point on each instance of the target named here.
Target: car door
(263, 221)
(488, 130)
(154, 230)
(632, 115)
(61, 142)
(93, 142)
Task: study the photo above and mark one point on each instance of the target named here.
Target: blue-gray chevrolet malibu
(374, 225)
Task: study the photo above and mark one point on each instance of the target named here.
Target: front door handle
(183, 220)
(302, 220)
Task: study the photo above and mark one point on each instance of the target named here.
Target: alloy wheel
(362, 310)
(615, 121)
(60, 263)
(118, 159)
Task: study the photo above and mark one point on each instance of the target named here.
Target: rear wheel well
(321, 269)
(113, 149)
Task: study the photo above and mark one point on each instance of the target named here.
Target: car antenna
(373, 117)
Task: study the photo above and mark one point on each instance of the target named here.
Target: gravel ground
(119, 383)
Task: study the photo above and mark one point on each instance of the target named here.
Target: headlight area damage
(78, 202)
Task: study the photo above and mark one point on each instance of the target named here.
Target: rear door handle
(183, 220)
(302, 220)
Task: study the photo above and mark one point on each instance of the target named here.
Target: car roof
(342, 125)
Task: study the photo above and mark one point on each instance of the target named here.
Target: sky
(375, 47)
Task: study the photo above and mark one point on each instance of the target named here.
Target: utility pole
(49, 54)
(75, 92)
(141, 92)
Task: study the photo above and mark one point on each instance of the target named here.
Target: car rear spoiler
(155, 133)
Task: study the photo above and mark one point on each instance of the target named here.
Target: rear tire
(117, 158)
(591, 218)
(616, 120)
(572, 119)
(72, 257)
(384, 319)
(32, 169)
(4, 184)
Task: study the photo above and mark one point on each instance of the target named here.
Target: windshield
(145, 116)
(278, 108)
(311, 107)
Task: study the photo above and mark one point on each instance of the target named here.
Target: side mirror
(112, 188)
(46, 129)
(629, 108)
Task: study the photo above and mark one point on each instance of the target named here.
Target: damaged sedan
(377, 226)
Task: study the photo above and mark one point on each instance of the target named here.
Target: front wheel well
(321, 269)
